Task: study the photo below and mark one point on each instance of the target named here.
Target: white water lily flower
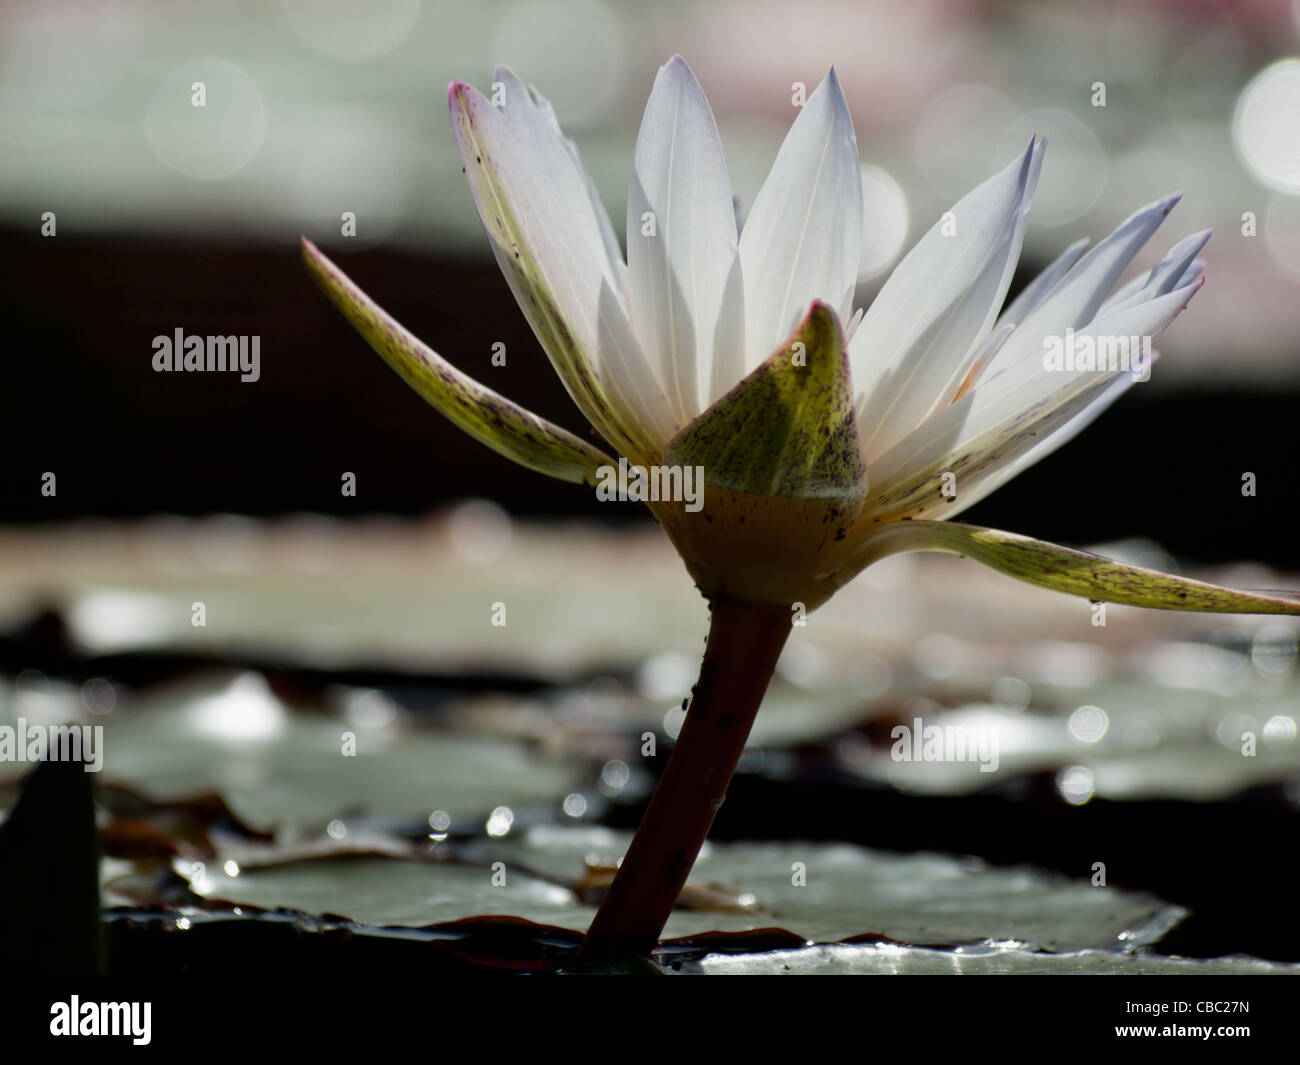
(722, 347)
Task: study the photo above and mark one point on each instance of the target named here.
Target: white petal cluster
(945, 378)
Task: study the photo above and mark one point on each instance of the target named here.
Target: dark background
(81, 399)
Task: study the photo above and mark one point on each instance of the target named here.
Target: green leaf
(1064, 569)
(505, 427)
(788, 429)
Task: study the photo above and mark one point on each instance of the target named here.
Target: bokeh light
(884, 222)
(351, 31)
(1266, 126)
(206, 119)
(545, 41)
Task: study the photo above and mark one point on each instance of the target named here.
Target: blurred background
(126, 213)
(171, 216)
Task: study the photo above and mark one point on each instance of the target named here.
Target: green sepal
(490, 418)
(1068, 570)
(788, 428)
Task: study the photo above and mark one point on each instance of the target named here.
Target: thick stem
(745, 640)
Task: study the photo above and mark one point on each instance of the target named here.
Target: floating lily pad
(889, 960)
(277, 766)
(848, 892)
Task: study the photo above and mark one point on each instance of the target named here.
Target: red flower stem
(745, 640)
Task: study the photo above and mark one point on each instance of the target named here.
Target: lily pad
(232, 734)
(848, 892)
(888, 960)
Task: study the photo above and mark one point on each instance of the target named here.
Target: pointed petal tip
(1037, 145)
(677, 67)
(1031, 157)
(1037, 150)
(1188, 290)
(1183, 252)
(839, 104)
(1143, 215)
(1194, 242)
(460, 95)
(836, 90)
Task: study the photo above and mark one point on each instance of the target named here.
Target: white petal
(728, 367)
(928, 323)
(802, 238)
(608, 238)
(625, 366)
(1001, 333)
(1130, 287)
(1192, 273)
(534, 120)
(681, 235)
(1076, 299)
(991, 428)
(1097, 401)
(535, 203)
(854, 322)
(1038, 289)
(1161, 278)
